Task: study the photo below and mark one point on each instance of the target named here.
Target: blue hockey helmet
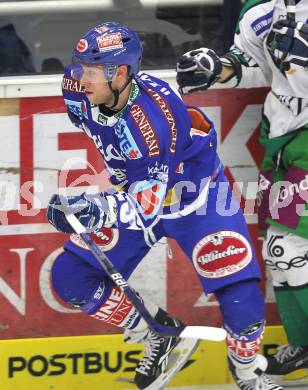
(110, 44)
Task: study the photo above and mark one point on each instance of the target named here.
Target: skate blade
(177, 360)
(289, 384)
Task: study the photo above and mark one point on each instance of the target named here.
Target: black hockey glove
(287, 43)
(197, 70)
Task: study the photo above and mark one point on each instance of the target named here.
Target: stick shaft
(291, 9)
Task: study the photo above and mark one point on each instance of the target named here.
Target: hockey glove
(197, 70)
(93, 211)
(288, 44)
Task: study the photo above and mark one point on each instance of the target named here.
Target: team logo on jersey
(109, 42)
(149, 200)
(127, 143)
(221, 254)
(82, 45)
(150, 195)
(106, 238)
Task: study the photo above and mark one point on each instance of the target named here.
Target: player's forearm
(241, 72)
(226, 73)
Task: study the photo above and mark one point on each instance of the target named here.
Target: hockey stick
(291, 8)
(195, 332)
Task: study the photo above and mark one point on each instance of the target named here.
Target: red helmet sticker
(82, 45)
(221, 254)
(106, 238)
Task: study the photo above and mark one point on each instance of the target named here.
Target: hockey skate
(253, 378)
(164, 356)
(287, 359)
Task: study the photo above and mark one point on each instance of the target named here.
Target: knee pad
(78, 283)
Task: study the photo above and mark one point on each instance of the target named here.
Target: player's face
(96, 86)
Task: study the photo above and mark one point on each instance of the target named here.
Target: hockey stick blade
(209, 333)
(203, 333)
(195, 332)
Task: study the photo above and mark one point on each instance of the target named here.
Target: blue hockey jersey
(163, 156)
(161, 153)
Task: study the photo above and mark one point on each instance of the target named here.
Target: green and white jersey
(286, 106)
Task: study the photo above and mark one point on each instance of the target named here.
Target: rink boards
(104, 362)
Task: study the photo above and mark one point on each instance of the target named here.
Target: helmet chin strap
(117, 92)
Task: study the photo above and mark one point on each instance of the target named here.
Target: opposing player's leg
(78, 280)
(286, 255)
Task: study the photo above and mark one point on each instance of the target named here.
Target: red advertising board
(37, 140)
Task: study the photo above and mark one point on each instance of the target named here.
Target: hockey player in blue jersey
(169, 182)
